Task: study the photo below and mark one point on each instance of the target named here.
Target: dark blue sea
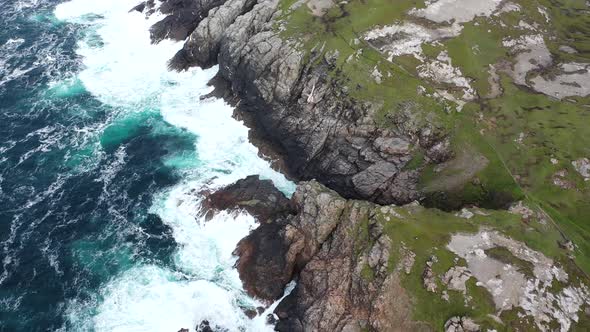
(104, 154)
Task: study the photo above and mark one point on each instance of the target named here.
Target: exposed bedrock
(324, 133)
(202, 45)
(259, 197)
(344, 283)
(182, 17)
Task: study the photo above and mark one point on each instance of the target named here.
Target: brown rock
(259, 197)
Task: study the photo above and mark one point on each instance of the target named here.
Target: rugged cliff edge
(323, 131)
(365, 267)
(396, 102)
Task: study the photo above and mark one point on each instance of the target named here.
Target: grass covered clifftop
(507, 80)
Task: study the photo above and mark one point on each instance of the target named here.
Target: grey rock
(461, 324)
(567, 49)
(321, 131)
(456, 277)
(182, 17)
(202, 46)
(582, 166)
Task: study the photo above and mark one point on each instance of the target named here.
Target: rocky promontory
(359, 266)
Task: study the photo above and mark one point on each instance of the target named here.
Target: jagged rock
(466, 214)
(183, 330)
(269, 256)
(520, 208)
(202, 46)
(264, 265)
(323, 133)
(582, 166)
(407, 261)
(337, 288)
(259, 197)
(461, 324)
(428, 278)
(271, 319)
(560, 180)
(182, 18)
(567, 245)
(139, 8)
(204, 327)
(250, 313)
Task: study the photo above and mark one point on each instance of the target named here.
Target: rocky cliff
(365, 267)
(461, 105)
(323, 132)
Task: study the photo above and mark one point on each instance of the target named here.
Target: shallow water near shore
(103, 155)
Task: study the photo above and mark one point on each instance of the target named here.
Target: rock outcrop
(181, 17)
(461, 324)
(335, 247)
(259, 197)
(324, 133)
(339, 253)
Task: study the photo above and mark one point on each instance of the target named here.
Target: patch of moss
(363, 240)
(416, 162)
(367, 273)
(504, 255)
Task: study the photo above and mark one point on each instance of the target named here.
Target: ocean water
(104, 154)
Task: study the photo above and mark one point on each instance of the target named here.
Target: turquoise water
(103, 155)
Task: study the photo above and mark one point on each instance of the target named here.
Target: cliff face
(341, 258)
(359, 266)
(324, 132)
(396, 102)
(348, 280)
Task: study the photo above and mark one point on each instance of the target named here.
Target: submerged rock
(204, 327)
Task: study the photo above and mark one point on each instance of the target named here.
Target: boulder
(461, 324)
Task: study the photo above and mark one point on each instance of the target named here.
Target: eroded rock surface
(181, 17)
(512, 288)
(461, 324)
(259, 197)
(324, 133)
(340, 254)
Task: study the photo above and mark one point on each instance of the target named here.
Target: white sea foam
(126, 71)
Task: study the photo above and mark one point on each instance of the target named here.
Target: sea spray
(124, 70)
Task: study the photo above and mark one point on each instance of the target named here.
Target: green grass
(505, 256)
(474, 50)
(426, 232)
(485, 128)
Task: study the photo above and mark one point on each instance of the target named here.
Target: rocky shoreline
(349, 266)
(322, 132)
(359, 179)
